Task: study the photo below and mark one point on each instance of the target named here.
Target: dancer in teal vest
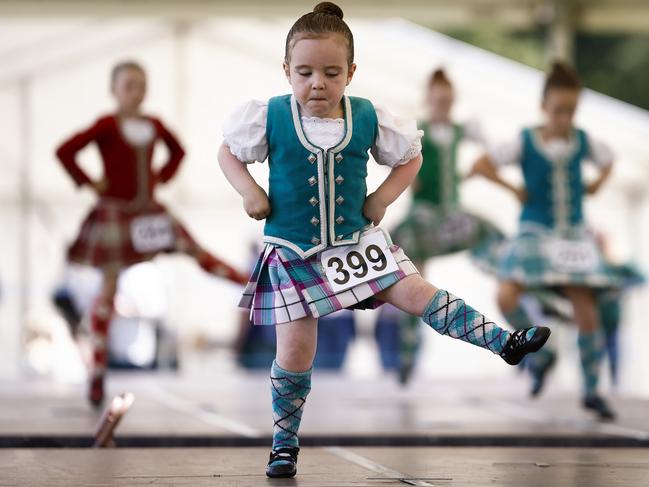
(436, 224)
(553, 248)
(324, 249)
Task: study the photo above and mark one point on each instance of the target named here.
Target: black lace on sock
(288, 417)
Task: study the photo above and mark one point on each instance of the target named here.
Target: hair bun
(439, 77)
(328, 8)
(561, 75)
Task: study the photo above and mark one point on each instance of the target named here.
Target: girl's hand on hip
(100, 186)
(256, 203)
(374, 209)
(593, 187)
(521, 194)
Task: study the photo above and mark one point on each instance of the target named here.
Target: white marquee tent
(54, 80)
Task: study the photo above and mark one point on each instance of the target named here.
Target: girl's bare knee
(508, 296)
(296, 344)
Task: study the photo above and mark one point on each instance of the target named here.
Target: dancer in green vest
(436, 224)
(324, 249)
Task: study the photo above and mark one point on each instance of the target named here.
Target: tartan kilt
(525, 259)
(105, 238)
(284, 287)
(428, 231)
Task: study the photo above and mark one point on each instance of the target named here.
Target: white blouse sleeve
(507, 153)
(599, 153)
(398, 139)
(244, 131)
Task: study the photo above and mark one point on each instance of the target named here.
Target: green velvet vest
(438, 181)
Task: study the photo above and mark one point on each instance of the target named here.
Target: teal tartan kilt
(429, 231)
(526, 259)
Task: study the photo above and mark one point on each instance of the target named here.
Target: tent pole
(560, 43)
(25, 206)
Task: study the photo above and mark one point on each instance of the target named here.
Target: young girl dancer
(553, 249)
(127, 225)
(436, 224)
(322, 251)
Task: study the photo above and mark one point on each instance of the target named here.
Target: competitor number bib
(348, 266)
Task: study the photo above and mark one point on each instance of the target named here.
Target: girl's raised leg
(450, 315)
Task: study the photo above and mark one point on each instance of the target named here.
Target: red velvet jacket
(120, 157)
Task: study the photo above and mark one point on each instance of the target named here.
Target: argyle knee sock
(409, 340)
(519, 319)
(216, 266)
(449, 315)
(289, 392)
(609, 309)
(591, 351)
(100, 317)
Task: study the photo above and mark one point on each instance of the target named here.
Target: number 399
(358, 263)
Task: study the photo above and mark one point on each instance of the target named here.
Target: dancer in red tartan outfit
(127, 225)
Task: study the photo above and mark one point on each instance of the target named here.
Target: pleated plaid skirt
(284, 287)
(429, 231)
(539, 257)
(113, 235)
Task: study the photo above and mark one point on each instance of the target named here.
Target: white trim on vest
(332, 183)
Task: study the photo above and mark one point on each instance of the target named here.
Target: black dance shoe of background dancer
(282, 463)
(599, 406)
(405, 373)
(64, 303)
(519, 344)
(539, 374)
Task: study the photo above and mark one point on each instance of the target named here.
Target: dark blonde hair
(326, 18)
(125, 66)
(438, 77)
(561, 76)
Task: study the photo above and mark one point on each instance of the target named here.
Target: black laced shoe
(519, 345)
(538, 375)
(598, 405)
(405, 373)
(282, 463)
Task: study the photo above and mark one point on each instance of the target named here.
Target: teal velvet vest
(555, 189)
(438, 180)
(317, 195)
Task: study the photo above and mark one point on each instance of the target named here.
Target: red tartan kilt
(105, 236)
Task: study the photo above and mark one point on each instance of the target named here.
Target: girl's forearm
(604, 174)
(484, 167)
(399, 179)
(236, 172)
